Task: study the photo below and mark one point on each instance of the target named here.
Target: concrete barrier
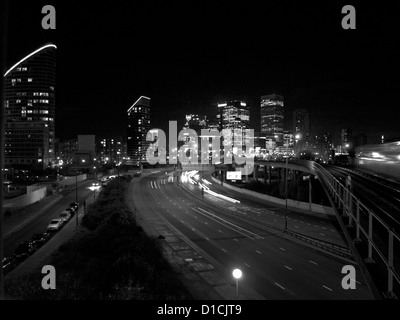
(291, 203)
(26, 199)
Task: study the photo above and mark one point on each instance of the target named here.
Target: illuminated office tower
(30, 110)
(138, 126)
(272, 113)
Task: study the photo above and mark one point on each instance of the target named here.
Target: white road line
(224, 250)
(235, 240)
(182, 221)
(247, 265)
(316, 226)
(258, 252)
(207, 239)
(227, 224)
(279, 286)
(322, 234)
(288, 267)
(327, 288)
(219, 231)
(193, 229)
(313, 262)
(205, 222)
(331, 230)
(282, 249)
(309, 224)
(323, 228)
(296, 227)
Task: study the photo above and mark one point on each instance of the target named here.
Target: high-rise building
(346, 139)
(301, 121)
(110, 149)
(138, 126)
(30, 110)
(234, 115)
(272, 114)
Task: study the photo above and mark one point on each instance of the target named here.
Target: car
(71, 210)
(9, 263)
(41, 238)
(74, 205)
(24, 250)
(66, 216)
(55, 224)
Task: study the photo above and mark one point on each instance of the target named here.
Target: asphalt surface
(39, 224)
(274, 267)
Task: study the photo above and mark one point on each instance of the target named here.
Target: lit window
(30, 79)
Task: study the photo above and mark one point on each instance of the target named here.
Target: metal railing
(370, 229)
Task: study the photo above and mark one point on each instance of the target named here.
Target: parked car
(41, 238)
(24, 250)
(9, 263)
(55, 224)
(74, 205)
(65, 215)
(71, 210)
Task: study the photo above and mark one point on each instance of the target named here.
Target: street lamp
(237, 274)
(297, 137)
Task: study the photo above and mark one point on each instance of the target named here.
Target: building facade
(138, 126)
(272, 115)
(30, 110)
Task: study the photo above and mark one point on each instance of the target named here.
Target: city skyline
(333, 76)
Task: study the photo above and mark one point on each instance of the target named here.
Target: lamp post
(297, 137)
(76, 189)
(237, 274)
(286, 179)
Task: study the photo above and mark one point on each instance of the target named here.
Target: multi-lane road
(275, 267)
(39, 224)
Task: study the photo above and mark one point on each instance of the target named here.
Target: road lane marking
(322, 234)
(205, 222)
(227, 224)
(207, 239)
(258, 252)
(282, 249)
(279, 286)
(316, 226)
(296, 227)
(247, 265)
(313, 262)
(219, 231)
(331, 230)
(235, 240)
(288, 267)
(327, 288)
(224, 250)
(193, 229)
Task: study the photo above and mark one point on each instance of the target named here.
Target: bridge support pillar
(255, 172)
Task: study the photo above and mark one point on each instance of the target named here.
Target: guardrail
(365, 222)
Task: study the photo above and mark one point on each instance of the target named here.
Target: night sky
(187, 56)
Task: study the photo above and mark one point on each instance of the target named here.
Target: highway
(39, 224)
(274, 267)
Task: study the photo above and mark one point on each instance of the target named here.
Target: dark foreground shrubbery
(112, 258)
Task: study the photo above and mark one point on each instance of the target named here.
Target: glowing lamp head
(237, 274)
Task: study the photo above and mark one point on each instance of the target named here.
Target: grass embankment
(110, 258)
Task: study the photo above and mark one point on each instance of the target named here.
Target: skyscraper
(301, 121)
(272, 113)
(138, 126)
(234, 115)
(30, 110)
